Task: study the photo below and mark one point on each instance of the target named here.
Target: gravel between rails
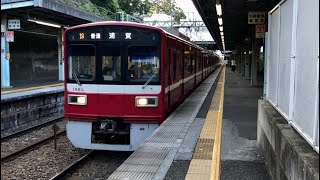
(18, 143)
(42, 163)
(100, 166)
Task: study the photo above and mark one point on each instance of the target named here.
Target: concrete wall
(24, 112)
(287, 154)
(33, 58)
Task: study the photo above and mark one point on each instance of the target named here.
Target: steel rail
(72, 167)
(30, 148)
(25, 131)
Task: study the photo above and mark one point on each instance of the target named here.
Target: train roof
(134, 24)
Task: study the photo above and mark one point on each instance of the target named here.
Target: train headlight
(77, 99)
(146, 101)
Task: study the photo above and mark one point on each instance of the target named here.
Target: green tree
(168, 7)
(135, 7)
(111, 5)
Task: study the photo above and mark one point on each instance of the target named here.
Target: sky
(188, 8)
(191, 12)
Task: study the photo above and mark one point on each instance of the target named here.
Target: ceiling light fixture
(44, 23)
(221, 28)
(220, 21)
(219, 10)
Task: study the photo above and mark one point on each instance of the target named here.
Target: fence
(292, 82)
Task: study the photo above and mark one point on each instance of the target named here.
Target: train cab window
(111, 68)
(143, 64)
(81, 62)
(111, 63)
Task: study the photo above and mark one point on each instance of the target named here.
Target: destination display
(113, 34)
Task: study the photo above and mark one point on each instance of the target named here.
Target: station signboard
(256, 17)
(13, 24)
(260, 30)
(10, 36)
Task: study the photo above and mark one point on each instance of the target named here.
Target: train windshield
(143, 64)
(111, 64)
(82, 62)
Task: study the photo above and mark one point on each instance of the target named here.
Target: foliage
(111, 5)
(90, 7)
(108, 8)
(168, 7)
(135, 7)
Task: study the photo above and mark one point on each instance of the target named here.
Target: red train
(123, 79)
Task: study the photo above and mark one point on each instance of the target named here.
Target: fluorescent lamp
(219, 10)
(220, 21)
(221, 33)
(44, 23)
(221, 28)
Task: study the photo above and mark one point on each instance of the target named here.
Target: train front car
(113, 93)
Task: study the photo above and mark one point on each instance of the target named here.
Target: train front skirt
(80, 135)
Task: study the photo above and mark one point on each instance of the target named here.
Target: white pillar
(60, 54)
(5, 63)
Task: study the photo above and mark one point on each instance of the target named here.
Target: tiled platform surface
(154, 157)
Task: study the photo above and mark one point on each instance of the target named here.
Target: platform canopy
(234, 18)
(56, 12)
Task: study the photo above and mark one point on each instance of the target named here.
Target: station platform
(27, 90)
(27, 86)
(29, 105)
(191, 143)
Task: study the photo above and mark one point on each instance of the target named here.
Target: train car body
(123, 79)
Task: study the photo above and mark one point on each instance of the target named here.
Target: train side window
(186, 64)
(168, 64)
(174, 66)
(198, 63)
(191, 64)
(179, 64)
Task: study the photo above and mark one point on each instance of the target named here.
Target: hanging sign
(256, 17)
(260, 30)
(10, 36)
(13, 24)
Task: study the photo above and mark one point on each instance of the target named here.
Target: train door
(183, 67)
(169, 82)
(194, 71)
(180, 72)
(110, 87)
(174, 97)
(201, 66)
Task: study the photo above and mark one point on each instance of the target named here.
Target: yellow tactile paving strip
(205, 163)
(30, 88)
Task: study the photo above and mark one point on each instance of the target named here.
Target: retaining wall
(287, 154)
(22, 112)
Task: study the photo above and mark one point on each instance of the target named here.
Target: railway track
(20, 133)
(30, 148)
(72, 167)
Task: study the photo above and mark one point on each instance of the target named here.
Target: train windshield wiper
(76, 77)
(145, 85)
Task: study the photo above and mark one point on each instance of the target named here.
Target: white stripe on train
(126, 89)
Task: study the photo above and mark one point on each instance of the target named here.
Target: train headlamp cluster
(77, 99)
(146, 101)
